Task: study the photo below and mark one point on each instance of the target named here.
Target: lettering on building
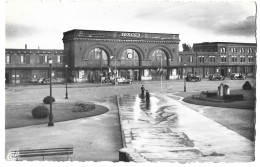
(137, 35)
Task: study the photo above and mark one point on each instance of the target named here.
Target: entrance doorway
(222, 72)
(7, 78)
(135, 76)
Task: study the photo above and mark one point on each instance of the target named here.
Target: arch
(134, 47)
(164, 49)
(137, 49)
(103, 47)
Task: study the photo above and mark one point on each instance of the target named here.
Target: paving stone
(172, 133)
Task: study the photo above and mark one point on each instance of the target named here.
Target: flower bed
(83, 107)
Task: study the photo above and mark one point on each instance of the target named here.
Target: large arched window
(158, 56)
(98, 55)
(129, 57)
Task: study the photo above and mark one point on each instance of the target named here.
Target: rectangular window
(41, 58)
(58, 59)
(22, 59)
(201, 59)
(191, 59)
(223, 59)
(8, 59)
(212, 58)
(180, 59)
(250, 59)
(45, 59)
(234, 59)
(223, 49)
(242, 59)
(27, 59)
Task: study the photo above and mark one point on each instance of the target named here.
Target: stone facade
(29, 65)
(80, 43)
(224, 58)
(92, 54)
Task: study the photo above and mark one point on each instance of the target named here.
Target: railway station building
(92, 54)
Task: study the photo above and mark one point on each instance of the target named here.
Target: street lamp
(50, 116)
(161, 72)
(111, 57)
(66, 67)
(184, 78)
(101, 69)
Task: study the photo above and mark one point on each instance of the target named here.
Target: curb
(123, 156)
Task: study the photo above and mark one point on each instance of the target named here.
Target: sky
(41, 23)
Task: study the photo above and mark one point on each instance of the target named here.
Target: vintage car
(121, 80)
(237, 76)
(192, 77)
(44, 80)
(216, 77)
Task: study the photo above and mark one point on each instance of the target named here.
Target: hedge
(234, 97)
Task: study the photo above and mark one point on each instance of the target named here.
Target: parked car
(216, 77)
(104, 79)
(43, 80)
(192, 77)
(121, 80)
(237, 76)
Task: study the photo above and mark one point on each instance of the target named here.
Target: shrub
(212, 94)
(40, 112)
(83, 107)
(234, 97)
(247, 86)
(47, 100)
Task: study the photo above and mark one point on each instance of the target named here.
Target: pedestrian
(147, 96)
(142, 90)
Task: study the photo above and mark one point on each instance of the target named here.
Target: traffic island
(225, 98)
(19, 115)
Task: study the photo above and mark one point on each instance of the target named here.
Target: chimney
(25, 46)
(38, 47)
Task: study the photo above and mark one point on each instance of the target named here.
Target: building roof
(98, 34)
(226, 43)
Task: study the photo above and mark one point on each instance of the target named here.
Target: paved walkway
(166, 130)
(95, 138)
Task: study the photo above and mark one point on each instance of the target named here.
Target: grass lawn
(247, 103)
(19, 115)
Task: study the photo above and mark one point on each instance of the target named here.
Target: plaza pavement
(167, 131)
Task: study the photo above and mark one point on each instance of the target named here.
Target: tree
(186, 48)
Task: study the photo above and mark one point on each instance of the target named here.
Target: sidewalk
(168, 131)
(95, 138)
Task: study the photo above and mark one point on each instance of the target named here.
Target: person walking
(142, 90)
(147, 96)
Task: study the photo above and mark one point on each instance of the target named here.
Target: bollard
(226, 90)
(220, 90)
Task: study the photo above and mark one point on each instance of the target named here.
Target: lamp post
(66, 67)
(101, 70)
(161, 73)
(115, 69)
(50, 116)
(184, 78)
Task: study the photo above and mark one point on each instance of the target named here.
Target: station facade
(92, 54)
(137, 56)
